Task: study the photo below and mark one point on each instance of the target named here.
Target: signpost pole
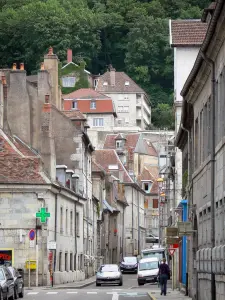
(29, 272)
(37, 265)
(173, 272)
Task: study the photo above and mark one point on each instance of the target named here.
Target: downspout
(138, 223)
(75, 240)
(133, 219)
(213, 80)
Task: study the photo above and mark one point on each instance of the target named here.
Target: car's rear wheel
(98, 284)
(140, 283)
(121, 283)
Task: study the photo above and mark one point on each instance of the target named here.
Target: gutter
(204, 47)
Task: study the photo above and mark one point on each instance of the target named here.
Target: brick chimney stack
(69, 56)
(112, 75)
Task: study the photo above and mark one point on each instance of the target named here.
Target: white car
(148, 269)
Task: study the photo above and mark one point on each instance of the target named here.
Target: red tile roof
(188, 32)
(95, 167)
(18, 163)
(120, 79)
(74, 114)
(102, 106)
(85, 94)
(150, 174)
(108, 157)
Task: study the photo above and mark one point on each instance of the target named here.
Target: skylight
(105, 83)
(127, 83)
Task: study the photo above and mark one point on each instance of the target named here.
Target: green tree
(163, 116)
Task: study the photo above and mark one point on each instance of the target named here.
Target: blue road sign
(32, 234)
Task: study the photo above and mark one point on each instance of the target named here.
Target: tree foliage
(132, 35)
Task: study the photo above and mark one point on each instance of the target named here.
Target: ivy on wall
(78, 72)
(184, 182)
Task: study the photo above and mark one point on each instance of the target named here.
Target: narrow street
(130, 289)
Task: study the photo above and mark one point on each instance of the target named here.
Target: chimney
(22, 66)
(112, 75)
(14, 66)
(3, 106)
(51, 65)
(69, 56)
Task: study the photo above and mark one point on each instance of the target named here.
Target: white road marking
(115, 296)
(52, 293)
(32, 293)
(71, 292)
(91, 292)
(116, 289)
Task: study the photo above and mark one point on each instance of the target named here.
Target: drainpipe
(138, 223)
(133, 219)
(213, 132)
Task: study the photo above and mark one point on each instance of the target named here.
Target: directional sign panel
(43, 215)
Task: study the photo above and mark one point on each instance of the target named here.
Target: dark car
(6, 283)
(18, 283)
(129, 264)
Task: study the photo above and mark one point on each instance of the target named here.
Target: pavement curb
(70, 287)
(151, 296)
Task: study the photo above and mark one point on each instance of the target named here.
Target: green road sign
(43, 215)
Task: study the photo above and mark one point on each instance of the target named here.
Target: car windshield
(148, 265)
(2, 277)
(130, 260)
(109, 268)
(159, 255)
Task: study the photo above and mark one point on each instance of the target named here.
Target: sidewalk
(72, 285)
(171, 295)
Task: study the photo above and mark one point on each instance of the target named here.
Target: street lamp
(160, 194)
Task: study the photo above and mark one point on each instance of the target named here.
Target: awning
(108, 206)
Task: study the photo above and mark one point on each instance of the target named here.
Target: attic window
(118, 144)
(105, 83)
(74, 104)
(147, 186)
(68, 81)
(127, 83)
(93, 105)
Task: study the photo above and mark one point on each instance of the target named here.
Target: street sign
(32, 243)
(171, 251)
(31, 234)
(43, 215)
(51, 245)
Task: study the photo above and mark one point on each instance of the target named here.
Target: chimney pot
(47, 98)
(3, 80)
(112, 75)
(69, 55)
(22, 66)
(14, 66)
(50, 51)
(42, 66)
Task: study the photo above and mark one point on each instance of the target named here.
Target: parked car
(18, 283)
(150, 238)
(129, 264)
(109, 274)
(148, 269)
(6, 283)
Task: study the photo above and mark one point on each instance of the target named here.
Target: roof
(102, 106)
(150, 174)
(120, 79)
(32, 78)
(95, 167)
(18, 162)
(106, 157)
(187, 32)
(133, 141)
(74, 114)
(85, 94)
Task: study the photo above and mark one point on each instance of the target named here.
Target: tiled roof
(132, 140)
(120, 79)
(102, 106)
(74, 114)
(108, 157)
(95, 167)
(150, 174)
(18, 163)
(85, 94)
(188, 32)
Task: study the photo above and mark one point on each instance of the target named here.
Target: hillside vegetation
(132, 35)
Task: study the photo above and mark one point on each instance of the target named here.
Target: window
(71, 261)
(126, 108)
(147, 186)
(120, 108)
(95, 82)
(127, 83)
(68, 81)
(66, 221)
(77, 224)
(105, 83)
(118, 144)
(71, 223)
(74, 105)
(93, 105)
(66, 261)
(155, 203)
(75, 262)
(98, 122)
(60, 261)
(61, 220)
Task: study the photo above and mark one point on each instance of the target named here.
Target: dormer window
(146, 186)
(74, 105)
(93, 104)
(105, 83)
(127, 83)
(118, 144)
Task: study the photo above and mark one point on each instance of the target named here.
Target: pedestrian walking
(164, 275)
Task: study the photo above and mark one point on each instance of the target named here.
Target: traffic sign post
(171, 251)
